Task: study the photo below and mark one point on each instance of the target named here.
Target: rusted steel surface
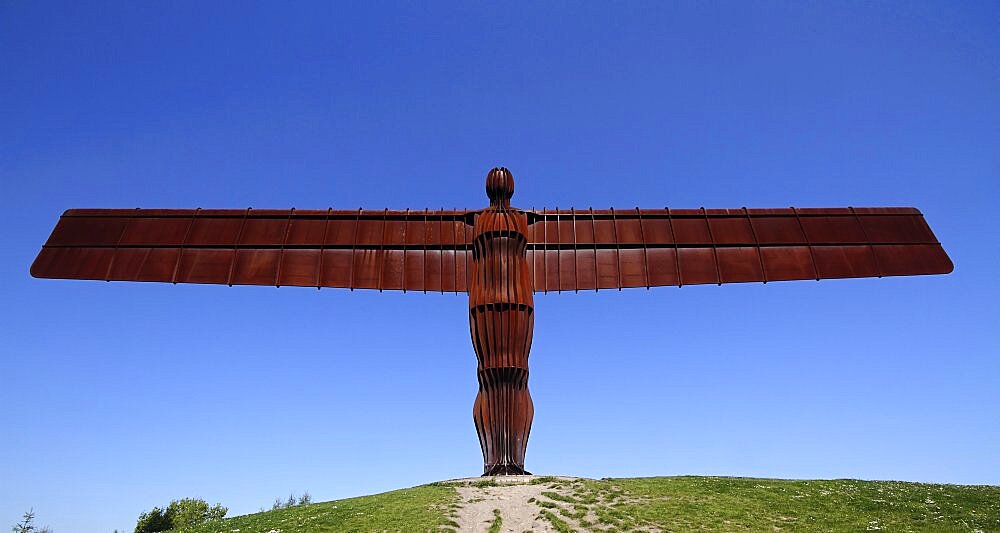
(500, 255)
(612, 249)
(431, 250)
(356, 249)
(501, 318)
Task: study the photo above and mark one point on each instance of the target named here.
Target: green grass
(745, 504)
(561, 527)
(667, 503)
(497, 522)
(416, 509)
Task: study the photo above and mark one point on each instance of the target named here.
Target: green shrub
(292, 501)
(190, 511)
(152, 521)
(186, 512)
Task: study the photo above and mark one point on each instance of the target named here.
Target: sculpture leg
(503, 409)
(503, 412)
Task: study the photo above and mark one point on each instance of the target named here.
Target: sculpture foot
(506, 470)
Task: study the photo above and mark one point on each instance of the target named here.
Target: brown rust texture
(501, 320)
(431, 250)
(593, 249)
(499, 255)
(415, 250)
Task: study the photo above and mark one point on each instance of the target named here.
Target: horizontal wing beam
(363, 249)
(603, 249)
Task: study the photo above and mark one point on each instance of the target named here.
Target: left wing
(355, 249)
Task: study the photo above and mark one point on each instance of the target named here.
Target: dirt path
(510, 498)
(539, 503)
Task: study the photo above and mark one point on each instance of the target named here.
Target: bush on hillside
(152, 521)
(186, 512)
(292, 501)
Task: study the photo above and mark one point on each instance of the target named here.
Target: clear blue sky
(119, 397)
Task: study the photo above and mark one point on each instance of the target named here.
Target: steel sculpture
(500, 255)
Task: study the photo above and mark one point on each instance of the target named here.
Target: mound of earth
(687, 503)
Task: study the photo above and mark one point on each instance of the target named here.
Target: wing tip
(949, 264)
(36, 270)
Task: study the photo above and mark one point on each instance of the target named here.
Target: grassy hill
(646, 504)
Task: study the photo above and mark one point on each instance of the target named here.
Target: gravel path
(515, 497)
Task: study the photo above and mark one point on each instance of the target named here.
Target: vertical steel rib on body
(501, 319)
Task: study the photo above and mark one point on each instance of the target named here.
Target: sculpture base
(506, 470)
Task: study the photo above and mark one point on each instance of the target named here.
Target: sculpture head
(500, 187)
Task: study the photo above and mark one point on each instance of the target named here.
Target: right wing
(606, 249)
